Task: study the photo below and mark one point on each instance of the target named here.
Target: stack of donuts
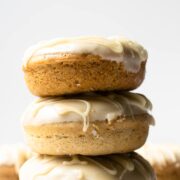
(86, 123)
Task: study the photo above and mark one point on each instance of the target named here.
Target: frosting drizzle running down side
(86, 108)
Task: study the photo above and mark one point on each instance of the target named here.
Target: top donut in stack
(84, 64)
(87, 110)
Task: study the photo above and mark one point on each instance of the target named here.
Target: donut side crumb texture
(8, 173)
(100, 138)
(79, 73)
(172, 176)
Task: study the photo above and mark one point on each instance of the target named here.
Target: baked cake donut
(83, 64)
(11, 159)
(87, 124)
(129, 166)
(165, 160)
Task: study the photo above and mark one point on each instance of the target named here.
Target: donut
(165, 159)
(12, 156)
(87, 124)
(110, 167)
(83, 64)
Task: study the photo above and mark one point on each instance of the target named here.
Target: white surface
(155, 24)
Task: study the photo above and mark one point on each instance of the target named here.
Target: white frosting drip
(110, 167)
(85, 108)
(112, 48)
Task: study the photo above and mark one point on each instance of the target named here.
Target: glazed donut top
(86, 107)
(13, 155)
(110, 167)
(130, 53)
(164, 158)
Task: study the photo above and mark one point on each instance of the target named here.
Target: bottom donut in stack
(129, 166)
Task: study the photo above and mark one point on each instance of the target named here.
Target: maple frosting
(85, 107)
(111, 167)
(109, 48)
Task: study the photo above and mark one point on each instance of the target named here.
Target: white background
(154, 23)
